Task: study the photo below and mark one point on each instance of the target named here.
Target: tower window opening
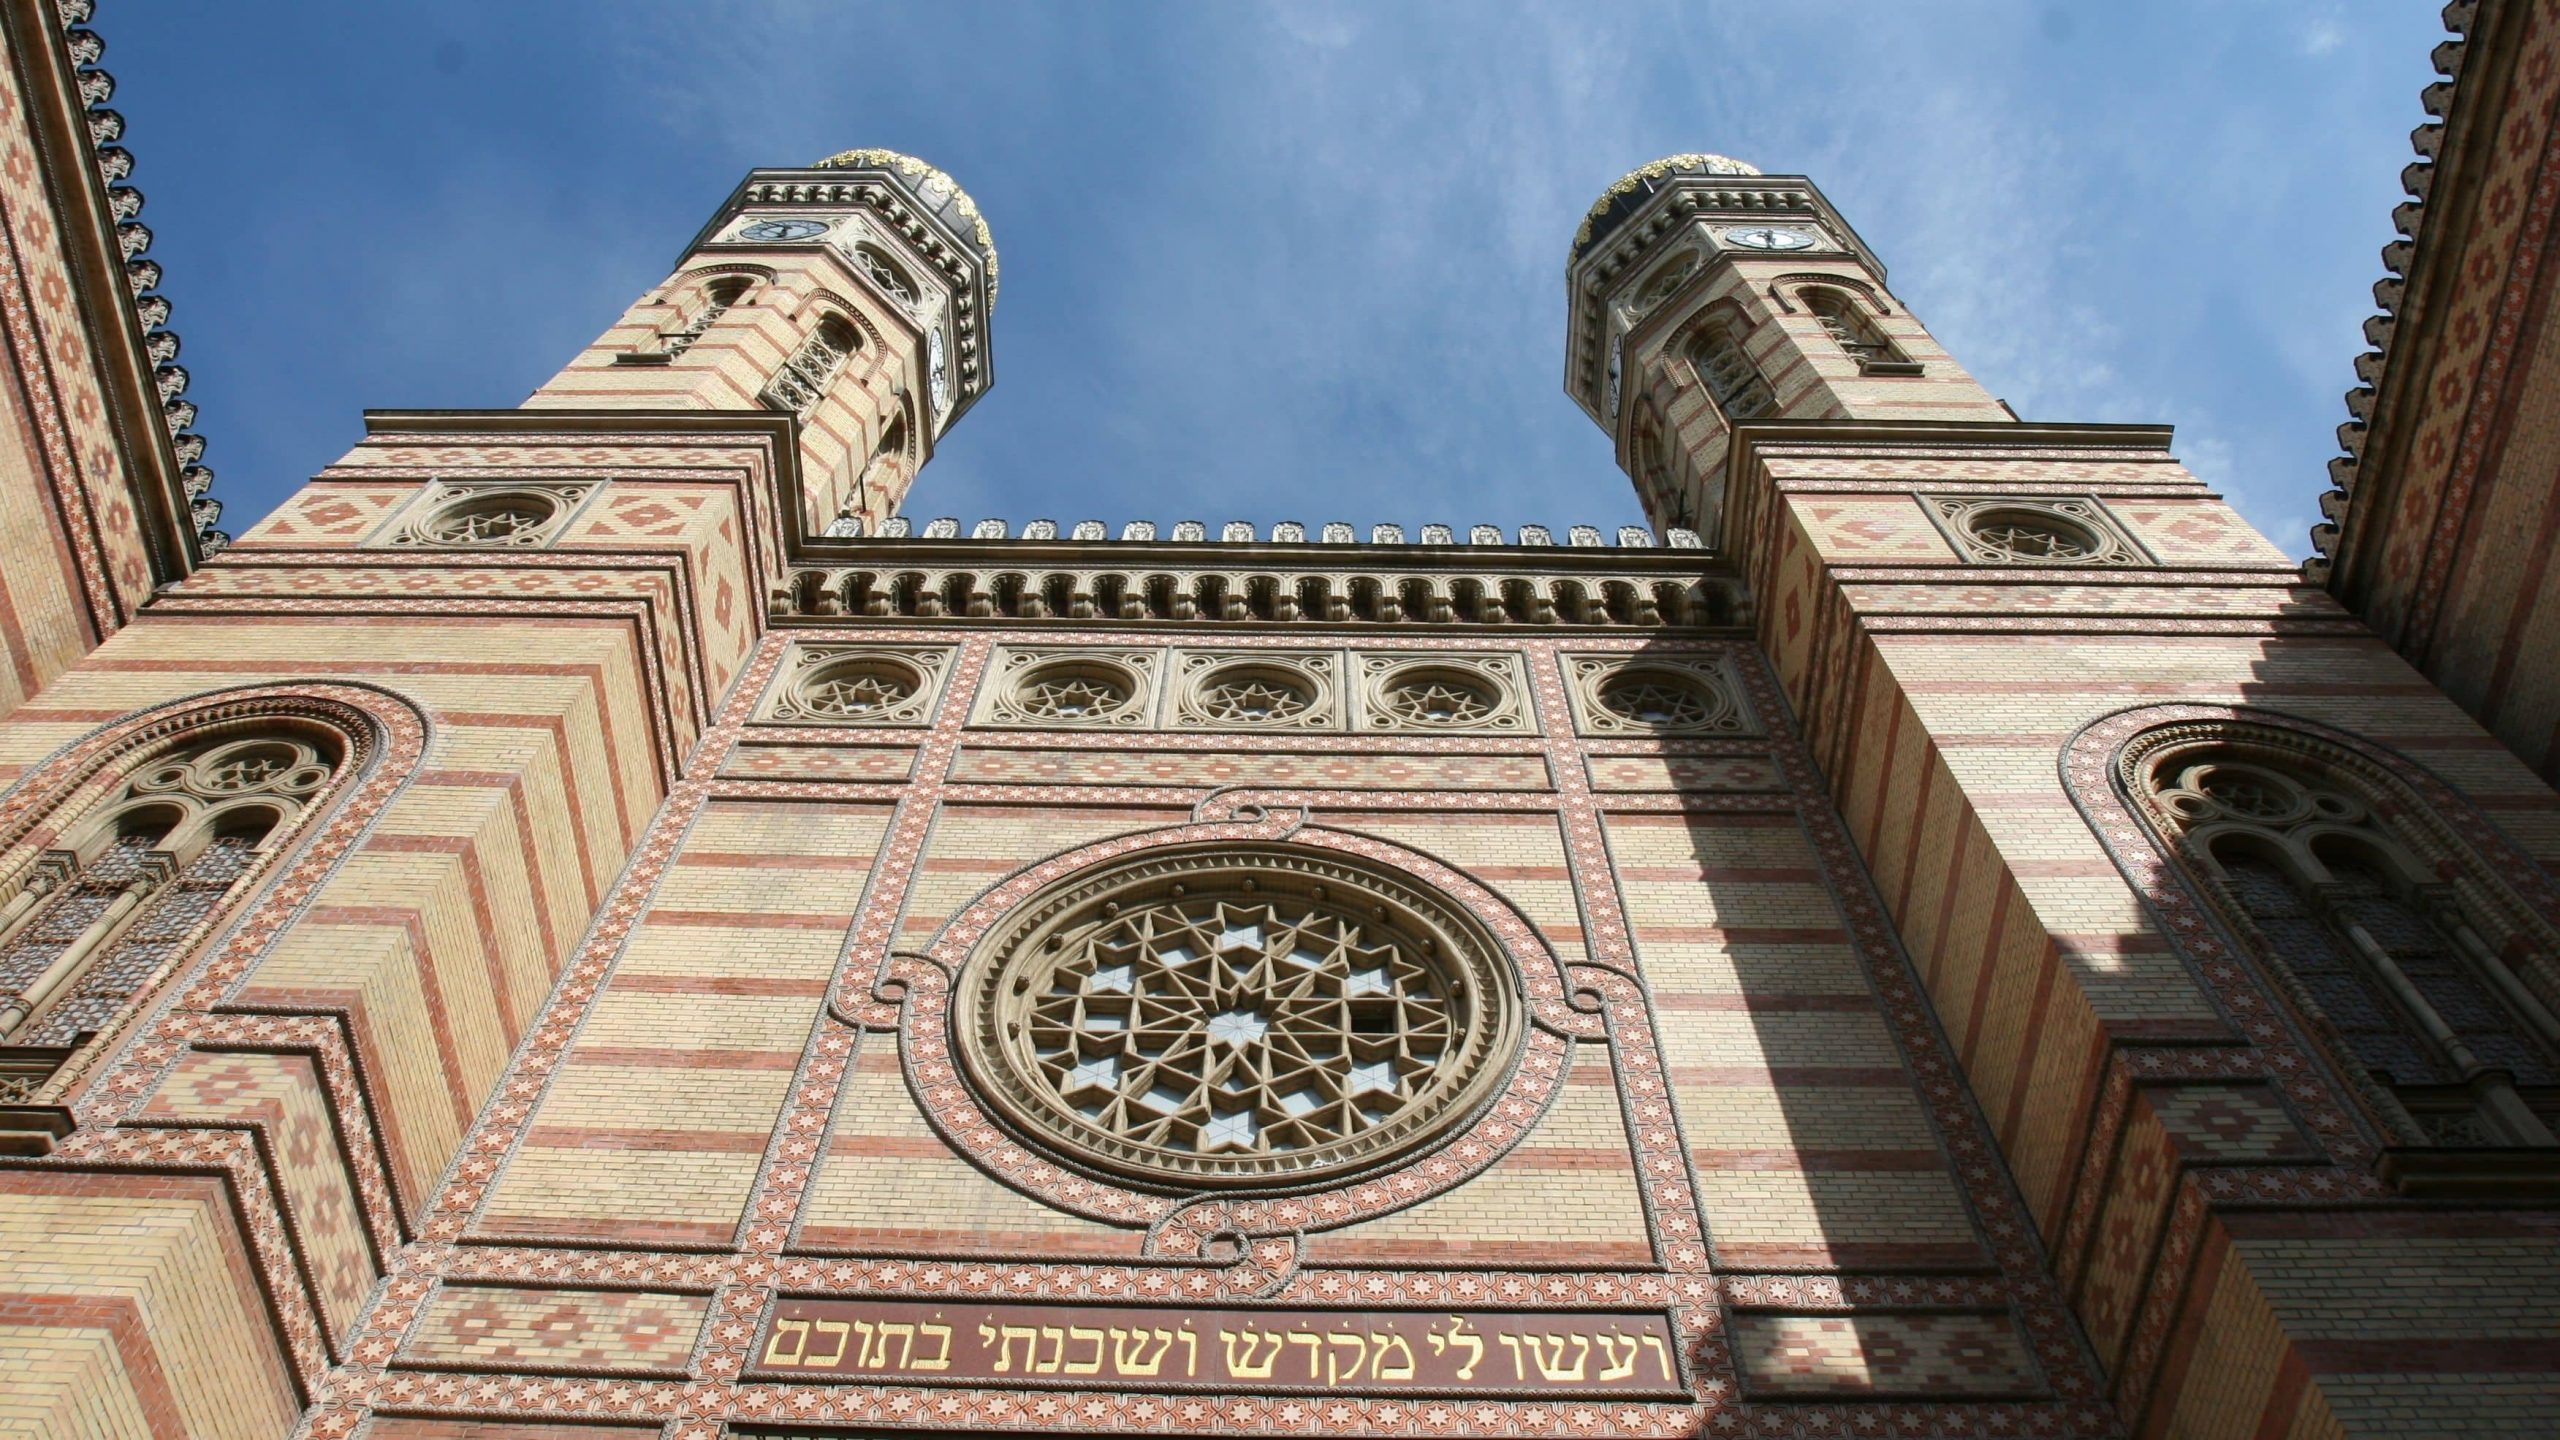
(805, 378)
(717, 298)
(1851, 330)
(1729, 375)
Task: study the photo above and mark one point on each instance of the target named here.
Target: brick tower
(591, 923)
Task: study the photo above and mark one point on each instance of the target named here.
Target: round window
(1255, 1016)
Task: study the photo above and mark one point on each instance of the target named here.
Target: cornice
(137, 352)
(2383, 410)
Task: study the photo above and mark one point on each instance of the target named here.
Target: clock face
(782, 230)
(1771, 237)
(939, 371)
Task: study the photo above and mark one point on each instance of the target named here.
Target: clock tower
(853, 295)
(1702, 293)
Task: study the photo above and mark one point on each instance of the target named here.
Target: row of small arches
(1244, 532)
(1138, 595)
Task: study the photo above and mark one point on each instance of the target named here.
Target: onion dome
(1638, 185)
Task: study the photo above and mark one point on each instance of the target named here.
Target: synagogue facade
(598, 921)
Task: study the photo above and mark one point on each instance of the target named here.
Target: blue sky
(1277, 261)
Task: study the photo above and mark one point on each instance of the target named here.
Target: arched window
(1729, 374)
(886, 273)
(128, 886)
(717, 298)
(805, 377)
(1851, 330)
(2393, 951)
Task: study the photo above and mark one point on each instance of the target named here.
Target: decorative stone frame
(832, 219)
(1512, 712)
(1586, 676)
(925, 668)
(2110, 544)
(1319, 672)
(411, 527)
(990, 1003)
(1001, 702)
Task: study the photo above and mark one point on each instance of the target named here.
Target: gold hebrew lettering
(1057, 1351)
(841, 1331)
(1661, 1354)
(1380, 1367)
(1241, 1362)
(1030, 1345)
(1334, 1374)
(1547, 1352)
(1519, 1372)
(1190, 1352)
(1620, 1353)
(906, 1334)
(1315, 1348)
(931, 1331)
(1129, 1351)
(1459, 1335)
(1077, 1335)
(798, 1330)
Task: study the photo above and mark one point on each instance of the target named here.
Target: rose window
(1666, 700)
(860, 691)
(1073, 693)
(1255, 697)
(1238, 1025)
(495, 520)
(2025, 535)
(1440, 698)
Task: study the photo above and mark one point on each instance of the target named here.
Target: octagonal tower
(853, 294)
(1701, 292)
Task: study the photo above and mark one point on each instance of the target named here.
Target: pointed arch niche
(2393, 928)
(126, 852)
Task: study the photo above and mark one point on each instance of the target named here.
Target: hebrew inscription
(1436, 1351)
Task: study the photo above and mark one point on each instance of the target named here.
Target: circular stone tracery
(2032, 535)
(1441, 698)
(857, 689)
(1254, 695)
(1665, 700)
(504, 519)
(1260, 1016)
(1073, 692)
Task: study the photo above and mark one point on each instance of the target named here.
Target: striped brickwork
(1671, 422)
(515, 720)
(131, 1307)
(2446, 544)
(73, 559)
(1745, 1116)
(1942, 699)
(728, 368)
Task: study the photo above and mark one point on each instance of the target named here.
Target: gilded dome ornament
(1643, 176)
(934, 187)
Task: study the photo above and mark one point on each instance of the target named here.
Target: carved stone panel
(2014, 530)
(1442, 694)
(485, 515)
(857, 685)
(1279, 690)
(1081, 688)
(1656, 695)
